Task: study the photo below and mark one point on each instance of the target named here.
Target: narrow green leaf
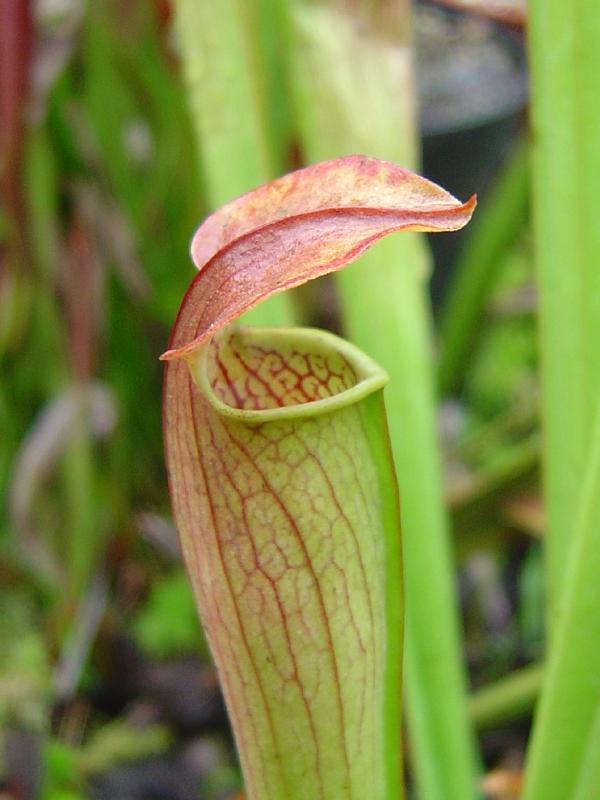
(588, 779)
(495, 232)
(564, 47)
(509, 698)
(565, 743)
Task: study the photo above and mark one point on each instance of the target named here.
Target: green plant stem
(509, 698)
(354, 93)
(83, 542)
(565, 725)
(493, 233)
(228, 98)
(589, 772)
(564, 44)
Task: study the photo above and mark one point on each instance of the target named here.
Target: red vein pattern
(278, 485)
(287, 564)
(298, 227)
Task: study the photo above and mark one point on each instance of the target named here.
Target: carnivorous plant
(283, 486)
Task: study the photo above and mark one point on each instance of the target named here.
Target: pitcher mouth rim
(370, 377)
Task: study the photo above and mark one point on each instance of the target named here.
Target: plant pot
(472, 79)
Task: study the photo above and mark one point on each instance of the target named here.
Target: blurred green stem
(227, 86)
(509, 698)
(565, 740)
(589, 772)
(564, 45)
(83, 539)
(494, 231)
(353, 88)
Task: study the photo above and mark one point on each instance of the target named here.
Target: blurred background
(122, 126)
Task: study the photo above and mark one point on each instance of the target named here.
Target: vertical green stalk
(565, 748)
(589, 773)
(226, 80)
(564, 41)
(354, 93)
(83, 536)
